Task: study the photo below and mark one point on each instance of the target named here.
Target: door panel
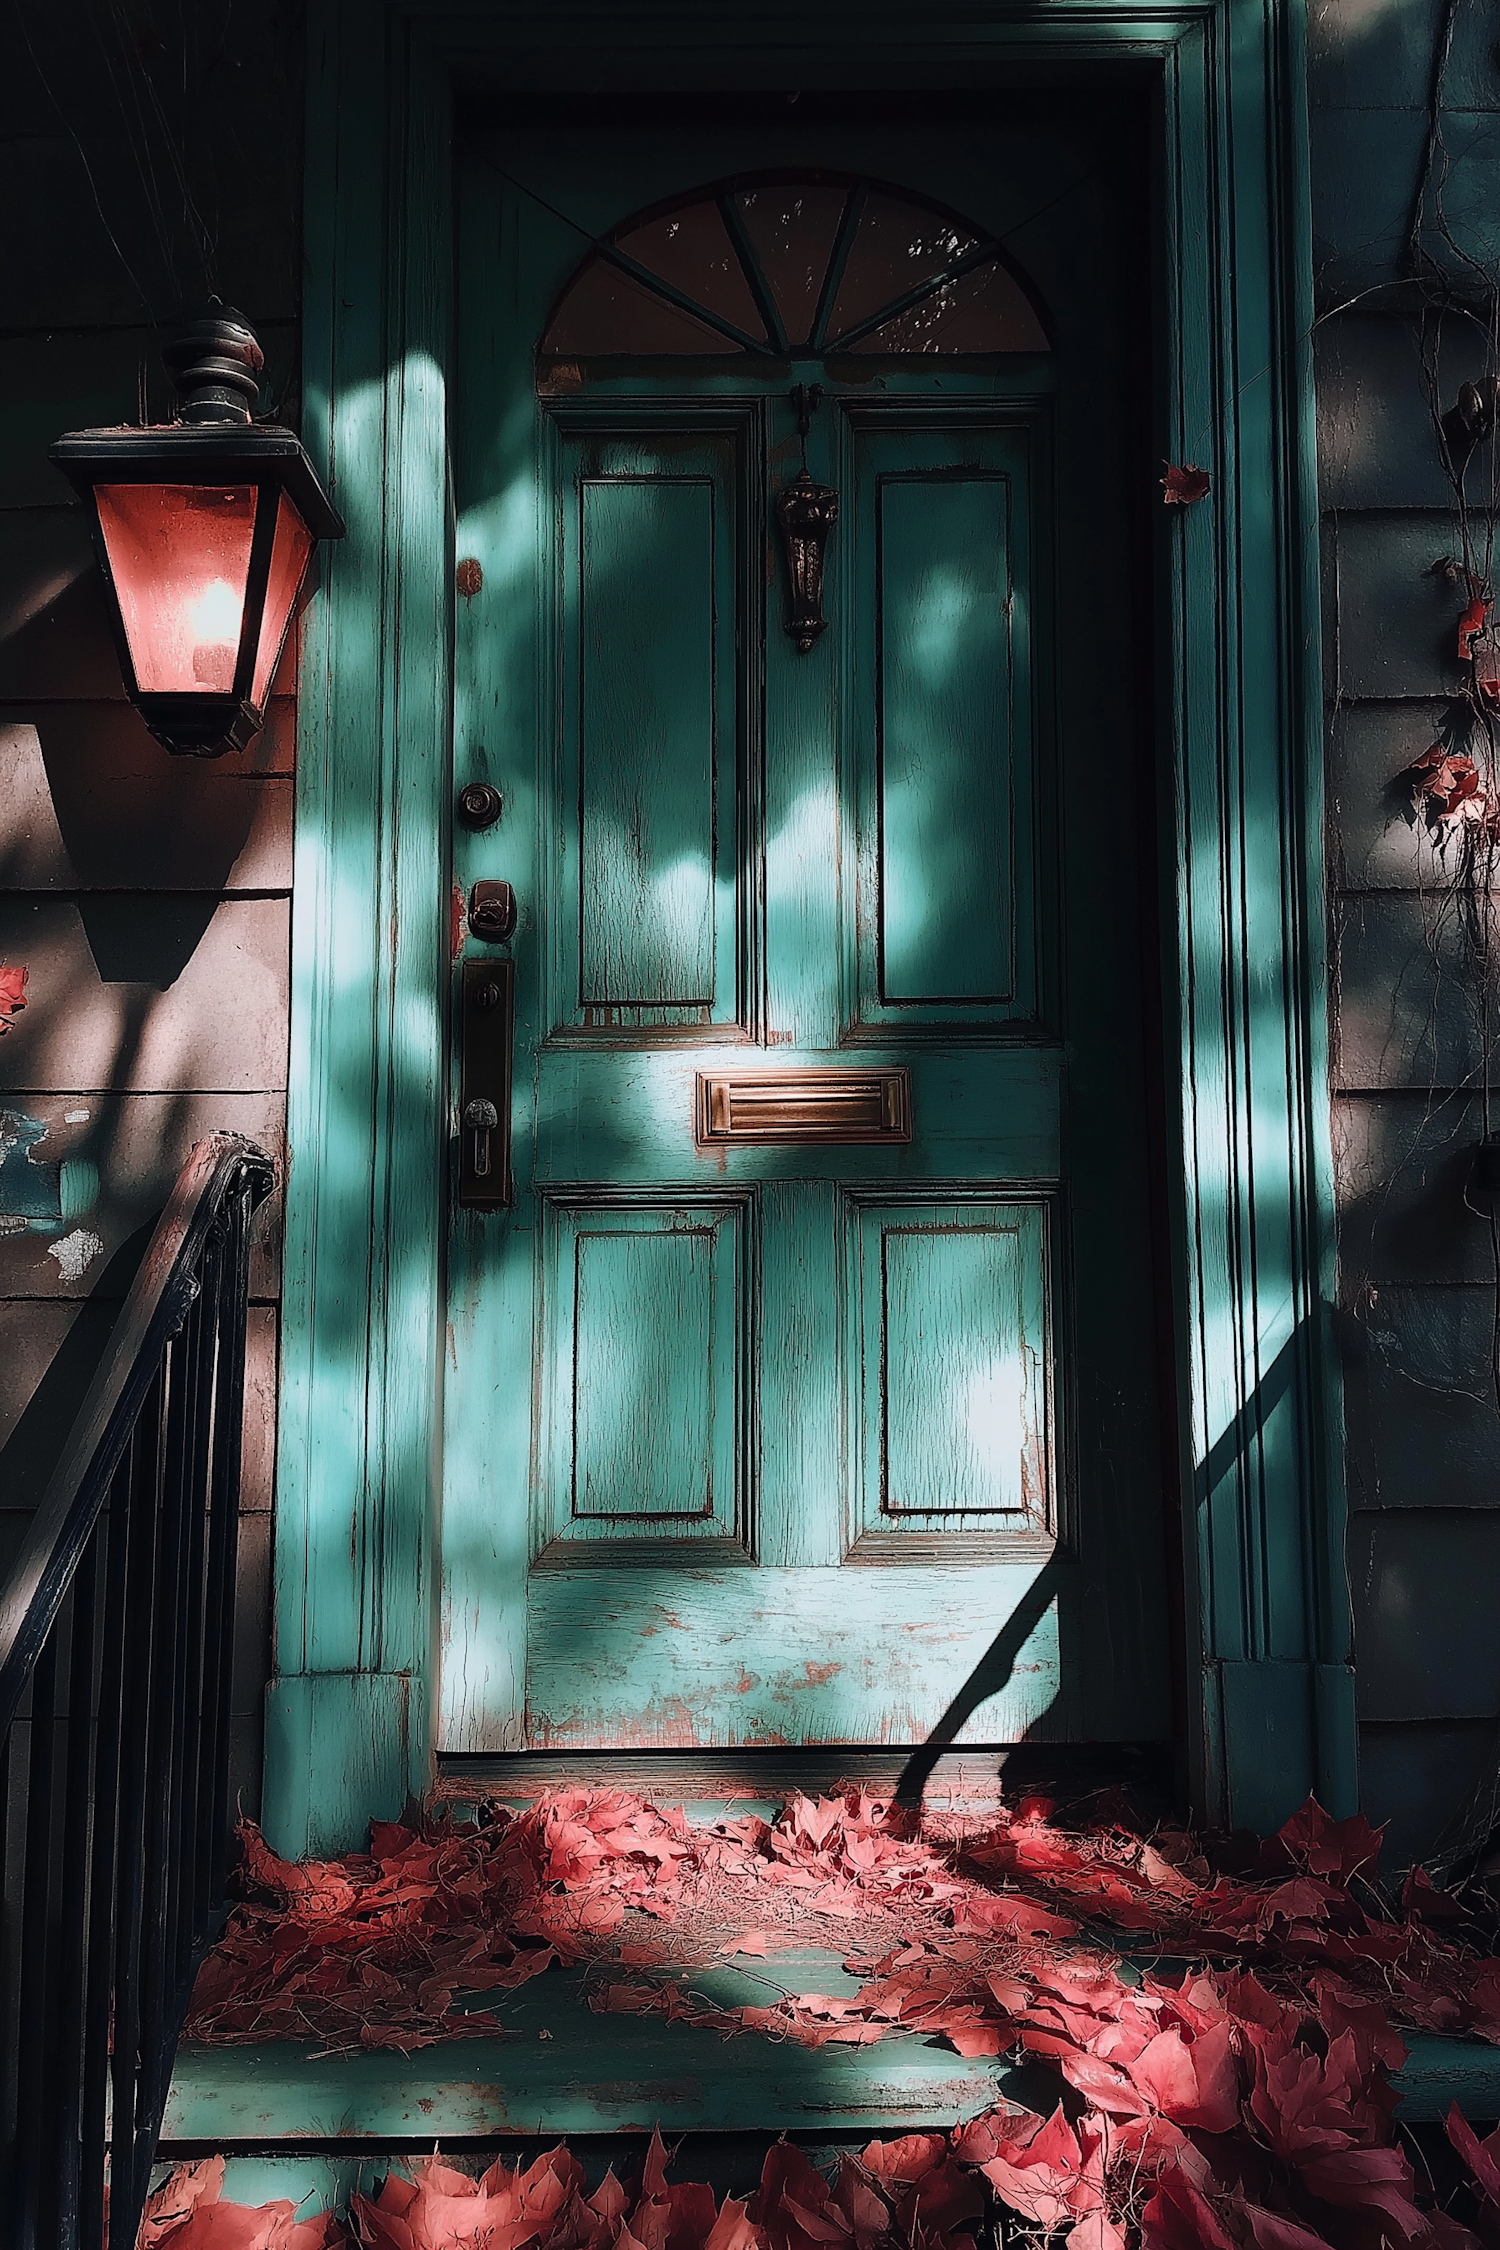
(676, 1659)
(775, 1442)
(646, 1442)
(954, 1405)
(944, 739)
(649, 779)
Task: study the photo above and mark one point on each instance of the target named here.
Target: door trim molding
(1267, 1687)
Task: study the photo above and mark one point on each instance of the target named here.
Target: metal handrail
(116, 1645)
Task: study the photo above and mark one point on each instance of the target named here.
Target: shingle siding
(1417, 1279)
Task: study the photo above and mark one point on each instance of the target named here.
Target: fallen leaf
(12, 996)
(1184, 483)
(1470, 626)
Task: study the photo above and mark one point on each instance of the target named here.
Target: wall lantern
(204, 528)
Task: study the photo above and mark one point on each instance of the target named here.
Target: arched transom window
(795, 266)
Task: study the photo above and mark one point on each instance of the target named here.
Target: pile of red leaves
(1243, 2105)
(950, 1928)
(1095, 2185)
(188, 2212)
(909, 2194)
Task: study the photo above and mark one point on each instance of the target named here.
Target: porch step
(554, 2067)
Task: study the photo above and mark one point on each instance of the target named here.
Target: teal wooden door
(847, 1434)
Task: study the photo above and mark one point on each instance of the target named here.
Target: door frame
(1267, 1684)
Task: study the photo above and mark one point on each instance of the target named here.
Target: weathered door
(780, 1408)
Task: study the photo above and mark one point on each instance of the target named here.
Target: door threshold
(976, 1780)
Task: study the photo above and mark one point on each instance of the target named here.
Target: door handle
(487, 1030)
(480, 1119)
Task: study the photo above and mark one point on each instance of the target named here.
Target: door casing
(1267, 1687)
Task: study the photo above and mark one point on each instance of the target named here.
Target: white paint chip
(77, 1116)
(75, 1252)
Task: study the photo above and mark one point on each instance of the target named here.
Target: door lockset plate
(488, 1005)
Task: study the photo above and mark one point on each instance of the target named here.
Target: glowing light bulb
(216, 637)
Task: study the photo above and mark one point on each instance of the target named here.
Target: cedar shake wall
(148, 896)
(1417, 1280)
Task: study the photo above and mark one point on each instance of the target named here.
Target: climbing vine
(1450, 787)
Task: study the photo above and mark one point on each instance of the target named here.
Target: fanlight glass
(179, 555)
(795, 266)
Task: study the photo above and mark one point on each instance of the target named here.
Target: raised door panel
(669, 1658)
(650, 784)
(649, 1375)
(943, 739)
(953, 1357)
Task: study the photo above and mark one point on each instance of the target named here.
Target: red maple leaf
(1470, 626)
(1184, 483)
(12, 996)
(187, 2212)
(1335, 1847)
(1180, 2217)
(1046, 2171)
(1446, 782)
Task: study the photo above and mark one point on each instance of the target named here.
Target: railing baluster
(166, 1668)
(99, 1974)
(224, 1531)
(130, 1871)
(186, 1904)
(32, 2013)
(68, 2024)
(12, 1839)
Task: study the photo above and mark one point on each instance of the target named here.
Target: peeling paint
(818, 1675)
(28, 1190)
(77, 1116)
(75, 1253)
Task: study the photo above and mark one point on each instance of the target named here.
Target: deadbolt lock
(480, 805)
(492, 912)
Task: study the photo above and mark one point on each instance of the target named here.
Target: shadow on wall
(139, 891)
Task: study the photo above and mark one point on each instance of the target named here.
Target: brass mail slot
(802, 1105)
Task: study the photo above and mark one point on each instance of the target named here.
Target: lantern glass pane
(290, 550)
(179, 555)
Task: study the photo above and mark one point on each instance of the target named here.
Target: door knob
(480, 1120)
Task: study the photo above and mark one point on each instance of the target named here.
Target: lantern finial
(214, 364)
